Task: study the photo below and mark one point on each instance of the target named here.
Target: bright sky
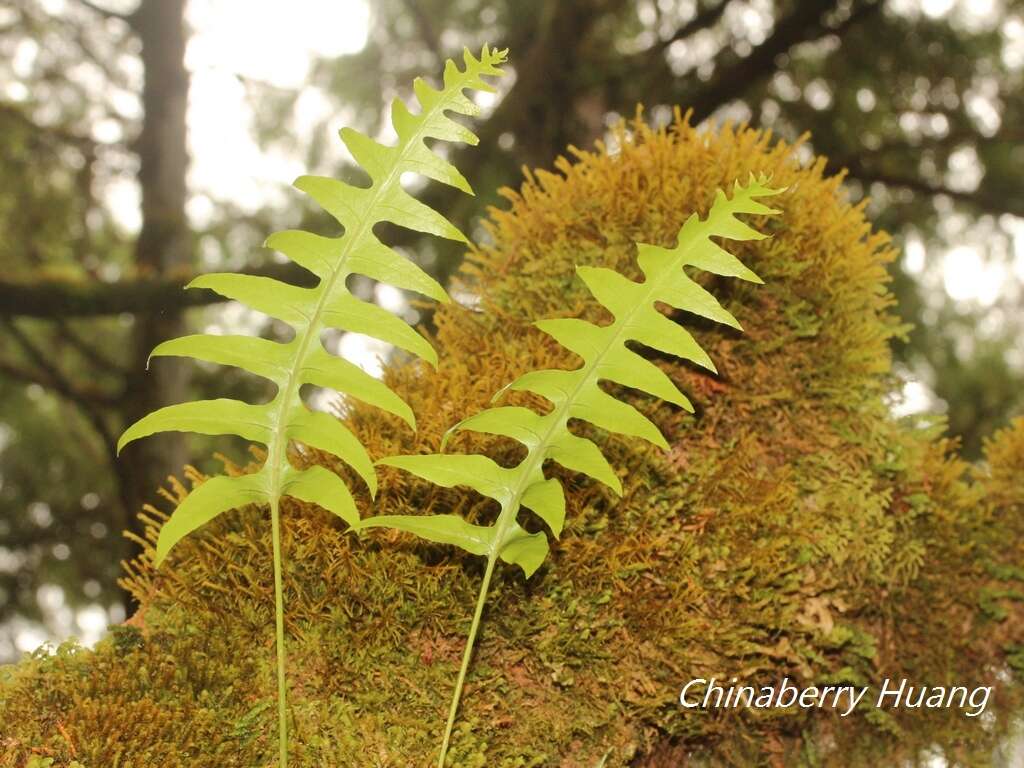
(277, 48)
(271, 43)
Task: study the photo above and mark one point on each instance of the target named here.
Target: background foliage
(920, 101)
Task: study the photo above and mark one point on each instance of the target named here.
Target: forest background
(144, 142)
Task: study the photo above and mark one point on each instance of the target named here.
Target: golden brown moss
(793, 529)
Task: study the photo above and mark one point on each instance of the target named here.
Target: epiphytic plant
(575, 394)
(310, 311)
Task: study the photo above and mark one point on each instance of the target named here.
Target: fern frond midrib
(559, 419)
(276, 452)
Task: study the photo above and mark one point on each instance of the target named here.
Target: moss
(793, 529)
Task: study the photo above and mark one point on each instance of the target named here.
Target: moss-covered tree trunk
(794, 529)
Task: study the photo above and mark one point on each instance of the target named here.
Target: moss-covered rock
(794, 529)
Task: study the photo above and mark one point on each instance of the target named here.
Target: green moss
(793, 529)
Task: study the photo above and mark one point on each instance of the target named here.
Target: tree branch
(703, 20)
(26, 376)
(89, 352)
(976, 199)
(51, 377)
(733, 76)
(806, 22)
(57, 298)
(88, 403)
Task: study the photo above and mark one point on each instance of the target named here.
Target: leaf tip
(660, 441)
(409, 418)
(617, 487)
(530, 569)
(126, 437)
(301, 183)
(497, 395)
(162, 550)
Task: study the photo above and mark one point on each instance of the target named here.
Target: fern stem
(282, 702)
(467, 655)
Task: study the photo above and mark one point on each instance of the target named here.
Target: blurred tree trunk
(164, 244)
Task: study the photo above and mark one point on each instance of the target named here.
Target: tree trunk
(164, 244)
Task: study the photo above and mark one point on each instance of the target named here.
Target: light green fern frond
(309, 311)
(575, 394)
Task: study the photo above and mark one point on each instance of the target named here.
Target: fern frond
(575, 394)
(310, 311)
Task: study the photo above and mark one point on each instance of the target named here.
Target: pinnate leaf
(206, 417)
(327, 305)
(318, 485)
(576, 394)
